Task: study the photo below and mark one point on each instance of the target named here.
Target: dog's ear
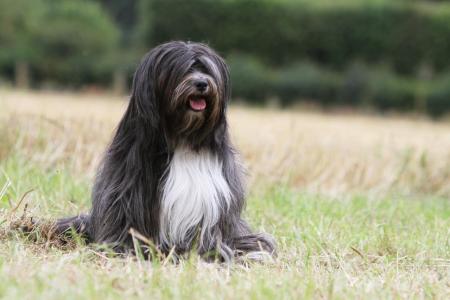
(125, 191)
(144, 103)
(225, 73)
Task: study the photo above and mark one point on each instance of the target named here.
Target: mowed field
(359, 205)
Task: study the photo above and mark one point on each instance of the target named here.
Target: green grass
(357, 246)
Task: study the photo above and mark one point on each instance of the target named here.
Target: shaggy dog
(171, 173)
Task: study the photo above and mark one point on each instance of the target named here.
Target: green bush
(20, 21)
(78, 40)
(250, 79)
(306, 81)
(438, 98)
(256, 83)
(355, 85)
(389, 92)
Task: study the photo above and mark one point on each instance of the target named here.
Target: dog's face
(191, 87)
(195, 105)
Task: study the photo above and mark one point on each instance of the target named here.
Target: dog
(171, 173)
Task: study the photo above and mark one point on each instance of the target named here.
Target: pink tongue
(197, 104)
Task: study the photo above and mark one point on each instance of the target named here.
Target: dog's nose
(201, 85)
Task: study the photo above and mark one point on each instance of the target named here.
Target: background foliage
(388, 55)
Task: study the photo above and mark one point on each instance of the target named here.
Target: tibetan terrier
(171, 173)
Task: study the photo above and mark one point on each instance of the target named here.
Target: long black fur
(127, 190)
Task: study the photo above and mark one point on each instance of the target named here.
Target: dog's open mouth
(197, 103)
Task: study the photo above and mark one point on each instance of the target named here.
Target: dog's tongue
(197, 104)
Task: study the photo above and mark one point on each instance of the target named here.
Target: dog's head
(184, 87)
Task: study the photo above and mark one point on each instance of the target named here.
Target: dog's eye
(199, 66)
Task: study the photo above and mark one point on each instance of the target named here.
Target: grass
(359, 206)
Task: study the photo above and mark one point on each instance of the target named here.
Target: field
(359, 205)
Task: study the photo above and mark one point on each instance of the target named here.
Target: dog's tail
(78, 225)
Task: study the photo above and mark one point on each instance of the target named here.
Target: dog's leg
(254, 246)
(215, 248)
(78, 224)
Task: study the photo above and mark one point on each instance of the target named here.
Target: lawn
(359, 205)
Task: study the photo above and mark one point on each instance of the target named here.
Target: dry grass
(359, 206)
(311, 151)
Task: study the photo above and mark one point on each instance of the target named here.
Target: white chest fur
(194, 195)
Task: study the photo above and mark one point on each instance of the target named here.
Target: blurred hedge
(358, 86)
(290, 50)
(400, 33)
